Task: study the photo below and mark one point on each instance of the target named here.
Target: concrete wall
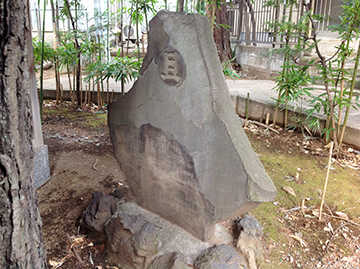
(257, 62)
(264, 62)
(258, 111)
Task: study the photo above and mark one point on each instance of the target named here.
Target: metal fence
(249, 19)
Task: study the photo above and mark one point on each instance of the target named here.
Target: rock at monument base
(137, 238)
(169, 261)
(250, 225)
(130, 241)
(220, 257)
(177, 137)
(96, 215)
(41, 167)
(123, 193)
(249, 240)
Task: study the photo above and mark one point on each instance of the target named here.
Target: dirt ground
(82, 162)
(294, 237)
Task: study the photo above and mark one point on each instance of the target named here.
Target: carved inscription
(171, 67)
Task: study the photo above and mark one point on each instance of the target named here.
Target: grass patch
(283, 161)
(77, 118)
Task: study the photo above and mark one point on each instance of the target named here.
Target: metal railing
(248, 19)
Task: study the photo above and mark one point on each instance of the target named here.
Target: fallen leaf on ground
(342, 215)
(301, 241)
(289, 190)
(55, 264)
(348, 259)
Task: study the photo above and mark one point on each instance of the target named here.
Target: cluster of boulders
(133, 242)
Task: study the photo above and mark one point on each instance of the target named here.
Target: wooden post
(326, 180)
(247, 108)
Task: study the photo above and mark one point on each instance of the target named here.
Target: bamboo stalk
(55, 30)
(107, 92)
(341, 97)
(326, 179)
(286, 112)
(137, 29)
(350, 94)
(98, 93)
(247, 108)
(70, 87)
(128, 41)
(42, 61)
(277, 109)
(81, 97)
(89, 93)
(74, 84)
(85, 95)
(267, 118)
(122, 86)
(93, 91)
(61, 94)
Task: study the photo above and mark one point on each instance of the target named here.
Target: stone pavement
(260, 95)
(262, 102)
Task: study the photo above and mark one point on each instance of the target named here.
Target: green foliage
(228, 71)
(64, 13)
(67, 54)
(300, 37)
(290, 82)
(126, 68)
(293, 77)
(48, 55)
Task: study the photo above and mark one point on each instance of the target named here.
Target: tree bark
(221, 34)
(20, 226)
(180, 6)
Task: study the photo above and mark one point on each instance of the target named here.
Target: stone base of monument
(41, 168)
(177, 137)
(138, 238)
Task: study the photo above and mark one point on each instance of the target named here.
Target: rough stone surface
(41, 168)
(123, 193)
(220, 257)
(169, 261)
(169, 236)
(130, 241)
(250, 225)
(249, 240)
(100, 210)
(176, 134)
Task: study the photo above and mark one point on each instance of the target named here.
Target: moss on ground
(82, 119)
(282, 162)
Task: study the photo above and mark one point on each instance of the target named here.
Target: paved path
(260, 91)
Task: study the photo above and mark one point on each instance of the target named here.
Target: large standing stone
(176, 134)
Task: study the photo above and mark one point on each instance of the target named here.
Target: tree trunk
(57, 73)
(221, 34)
(78, 65)
(180, 6)
(22, 244)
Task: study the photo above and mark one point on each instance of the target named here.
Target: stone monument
(177, 137)
(41, 167)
